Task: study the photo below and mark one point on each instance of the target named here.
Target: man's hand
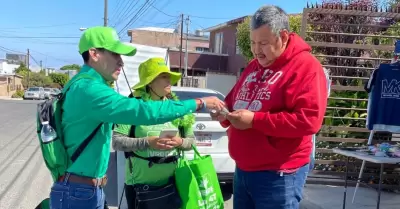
(217, 116)
(159, 143)
(213, 103)
(175, 141)
(241, 119)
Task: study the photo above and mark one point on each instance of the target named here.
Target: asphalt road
(24, 179)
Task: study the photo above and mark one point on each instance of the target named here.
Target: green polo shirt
(90, 102)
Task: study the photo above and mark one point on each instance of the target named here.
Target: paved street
(24, 180)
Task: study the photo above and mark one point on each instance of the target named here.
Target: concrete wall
(10, 84)
(199, 61)
(165, 40)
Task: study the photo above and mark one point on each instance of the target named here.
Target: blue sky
(50, 28)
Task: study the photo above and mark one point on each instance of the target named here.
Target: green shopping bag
(197, 182)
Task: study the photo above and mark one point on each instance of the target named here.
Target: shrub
(18, 94)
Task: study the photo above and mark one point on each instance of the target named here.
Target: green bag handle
(197, 154)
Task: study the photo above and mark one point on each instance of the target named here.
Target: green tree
(59, 78)
(71, 67)
(37, 79)
(243, 34)
(22, 70)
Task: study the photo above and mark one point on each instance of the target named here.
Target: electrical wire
(52, 37)
(116, 9)
(42, 26)
(134, 18)
(126, 13)
(163, 11)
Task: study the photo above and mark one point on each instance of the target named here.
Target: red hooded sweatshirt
(289, 99)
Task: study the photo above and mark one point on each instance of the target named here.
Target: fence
(349, 41)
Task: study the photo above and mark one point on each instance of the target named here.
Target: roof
(170, 30)
(156, 29)
(13, 75)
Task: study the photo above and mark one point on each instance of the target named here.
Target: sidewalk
(331, 197)
(9, 98)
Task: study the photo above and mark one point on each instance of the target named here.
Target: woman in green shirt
(151, 160)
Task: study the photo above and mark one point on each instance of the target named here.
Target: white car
(34, 93)
(211, 137)
(47, 93)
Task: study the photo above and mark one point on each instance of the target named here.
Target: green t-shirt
(157, 174)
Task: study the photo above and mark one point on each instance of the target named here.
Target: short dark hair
(272, 16)
(85, 55)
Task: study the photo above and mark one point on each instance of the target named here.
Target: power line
(18, 52)
(125, 13)
(10, 50)
(56, 58)
(34, 60)
(42, 26)
(136, 15)
(163, 11)
(116, 9)
(52, 37)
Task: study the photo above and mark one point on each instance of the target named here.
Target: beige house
(9, 84)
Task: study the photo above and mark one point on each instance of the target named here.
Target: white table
(368, 158)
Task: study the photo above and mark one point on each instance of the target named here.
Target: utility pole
(27, 65)
(105, 12)
(180, 49)
(186, 47)
(41, 65)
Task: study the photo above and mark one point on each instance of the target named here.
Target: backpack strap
(85, 142)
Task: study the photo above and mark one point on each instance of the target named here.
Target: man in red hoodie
(276, 106)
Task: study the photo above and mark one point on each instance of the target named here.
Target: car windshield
(33, 89)
(184, 95)
(47, 89)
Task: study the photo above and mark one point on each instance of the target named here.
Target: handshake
(240, 119)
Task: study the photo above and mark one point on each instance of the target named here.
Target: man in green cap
(90, 103)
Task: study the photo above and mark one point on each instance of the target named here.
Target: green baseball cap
(152, 68)
(104, 37)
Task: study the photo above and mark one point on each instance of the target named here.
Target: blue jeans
(268, 189)
(67, 195)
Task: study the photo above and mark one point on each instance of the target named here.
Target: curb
(8, 98)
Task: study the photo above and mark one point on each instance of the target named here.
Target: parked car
(55, 91)
(211, 137)
(36, 93)
(47, 93)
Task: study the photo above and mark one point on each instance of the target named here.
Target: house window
(202, 49)
(219, 38)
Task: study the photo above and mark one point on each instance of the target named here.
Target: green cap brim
(123, 49)
(175, 77)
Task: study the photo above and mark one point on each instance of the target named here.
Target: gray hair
(272, 16)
